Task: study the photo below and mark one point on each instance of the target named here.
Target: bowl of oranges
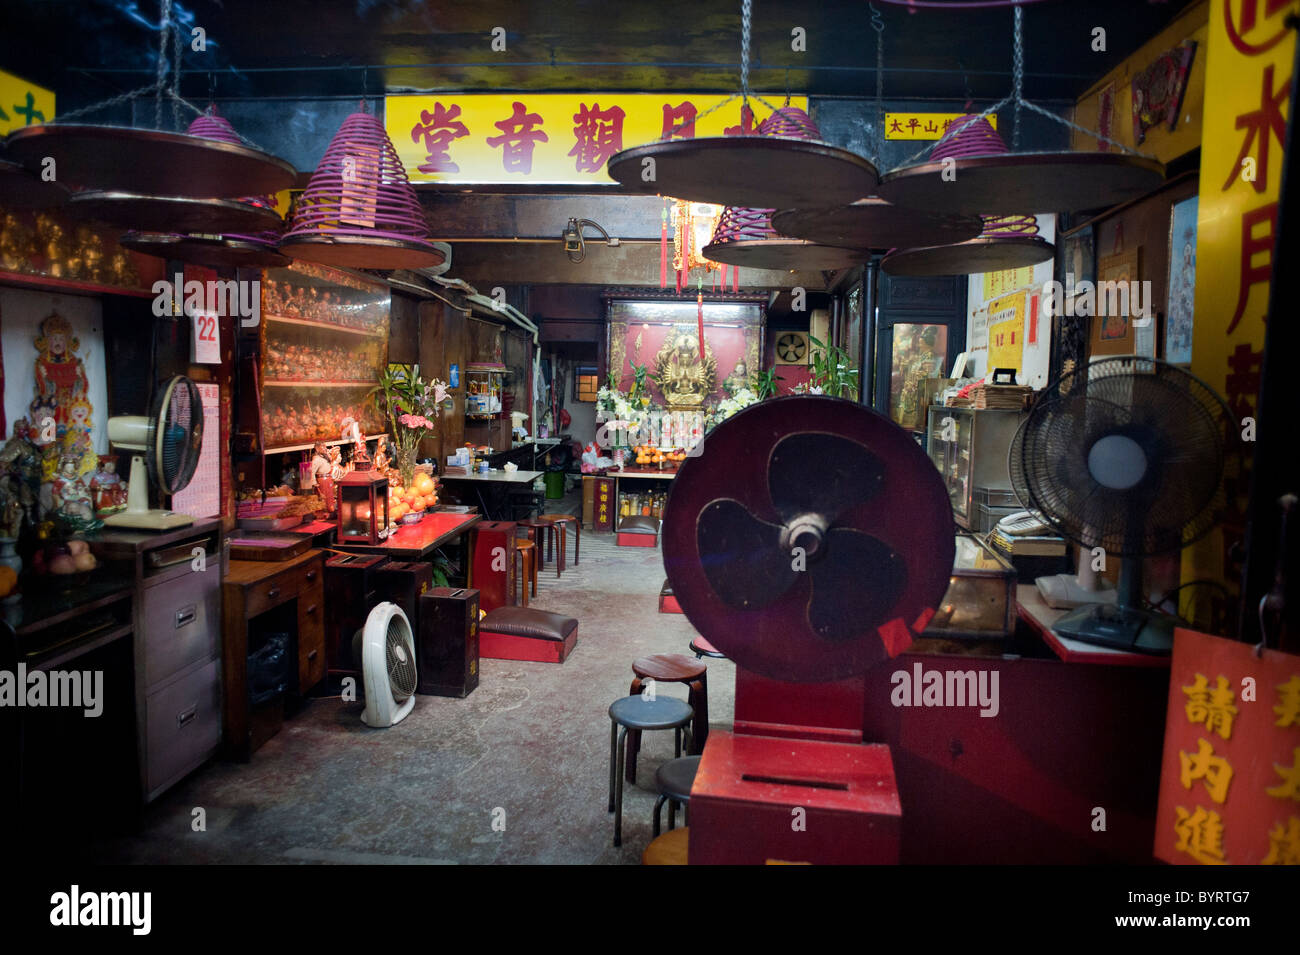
(648, 455)
(408, 504)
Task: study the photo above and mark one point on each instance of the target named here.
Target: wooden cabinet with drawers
(260, 600)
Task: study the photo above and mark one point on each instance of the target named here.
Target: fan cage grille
(400, 655)
(1180, 424)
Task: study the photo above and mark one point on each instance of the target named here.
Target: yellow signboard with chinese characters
(549, 138)
(999, 283)
(1247, 86)
(924, 125)
(23, 103)
(1007, 331)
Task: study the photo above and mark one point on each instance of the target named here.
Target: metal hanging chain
(1018, 101)
(878, 24)
(746, 23)
(167, 28)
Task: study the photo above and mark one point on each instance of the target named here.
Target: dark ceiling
(306, 49)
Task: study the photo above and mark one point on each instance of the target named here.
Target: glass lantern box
(363, 507)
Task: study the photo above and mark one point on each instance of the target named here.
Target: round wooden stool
(672, 668)
(672, 848)
(525, 551)
(547, 542)
(632, 714)
(562, 521)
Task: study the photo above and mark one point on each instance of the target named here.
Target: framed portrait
(1114, 334)
(1180, 308)
(1078, 262)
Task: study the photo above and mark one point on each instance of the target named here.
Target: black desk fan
(1126, 454)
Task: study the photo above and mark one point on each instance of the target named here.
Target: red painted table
(413, 541)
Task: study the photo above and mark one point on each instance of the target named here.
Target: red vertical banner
(1230, 775)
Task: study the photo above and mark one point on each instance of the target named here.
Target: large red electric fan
(850, 489)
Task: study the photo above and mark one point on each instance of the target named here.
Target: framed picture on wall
(1078, 262)
(1112, 330)
(1181, 305)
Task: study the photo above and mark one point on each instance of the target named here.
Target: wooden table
(495, 478)
(416, 541)
(1039, 616)
(253, 588)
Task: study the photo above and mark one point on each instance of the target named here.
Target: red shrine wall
(638, 331)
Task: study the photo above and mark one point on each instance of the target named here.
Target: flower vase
(406, 465)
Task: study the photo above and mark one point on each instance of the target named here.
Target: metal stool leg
(613, 743)
(672, 814)
(618, 793)
(659, 805)
(633, 738)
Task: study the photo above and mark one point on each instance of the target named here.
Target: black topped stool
(635, 713)
(674, 780)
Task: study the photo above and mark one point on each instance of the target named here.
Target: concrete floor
(532, 740)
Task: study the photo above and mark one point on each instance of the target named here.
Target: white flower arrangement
(728, 406)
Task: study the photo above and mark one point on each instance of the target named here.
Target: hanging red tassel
(663, 248)
(735, 279)
(699, 302)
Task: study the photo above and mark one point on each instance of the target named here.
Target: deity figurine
(73, 506)
(684, 376)
(107, 488)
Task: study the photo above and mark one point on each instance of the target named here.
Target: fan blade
(741, 555)
(821, 473)
(855, 586)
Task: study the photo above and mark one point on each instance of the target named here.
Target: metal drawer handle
(186, 615)
(273, 592)
(312, 656)
(311, 609)
(311, 575)
(184, 719)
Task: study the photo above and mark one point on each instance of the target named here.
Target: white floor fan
(168, 441)
(386, 649)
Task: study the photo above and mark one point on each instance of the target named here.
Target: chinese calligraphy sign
(1230, 777)
(548, 137)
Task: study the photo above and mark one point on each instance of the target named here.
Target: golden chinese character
(1205, 765)
(1288, 711)
(1284, 844)
(1290, 785)
(1200, 835)
(1211, 707)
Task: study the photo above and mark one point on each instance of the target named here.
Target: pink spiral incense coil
(1001, 226)
(789, 121)
(739, 224)
(212, 125)
(974, 137)
(360, 189)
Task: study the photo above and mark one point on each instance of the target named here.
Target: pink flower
(415, 421)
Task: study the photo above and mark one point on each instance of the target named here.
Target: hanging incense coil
(359, 210)
(212, 125)
(745, 236)
(1007, 242)
(149, 161)
(785, 166)
(973, 172)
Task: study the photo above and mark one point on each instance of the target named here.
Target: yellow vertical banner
(1247, 88)
(1007, 331)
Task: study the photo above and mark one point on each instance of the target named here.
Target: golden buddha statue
(684, 376)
